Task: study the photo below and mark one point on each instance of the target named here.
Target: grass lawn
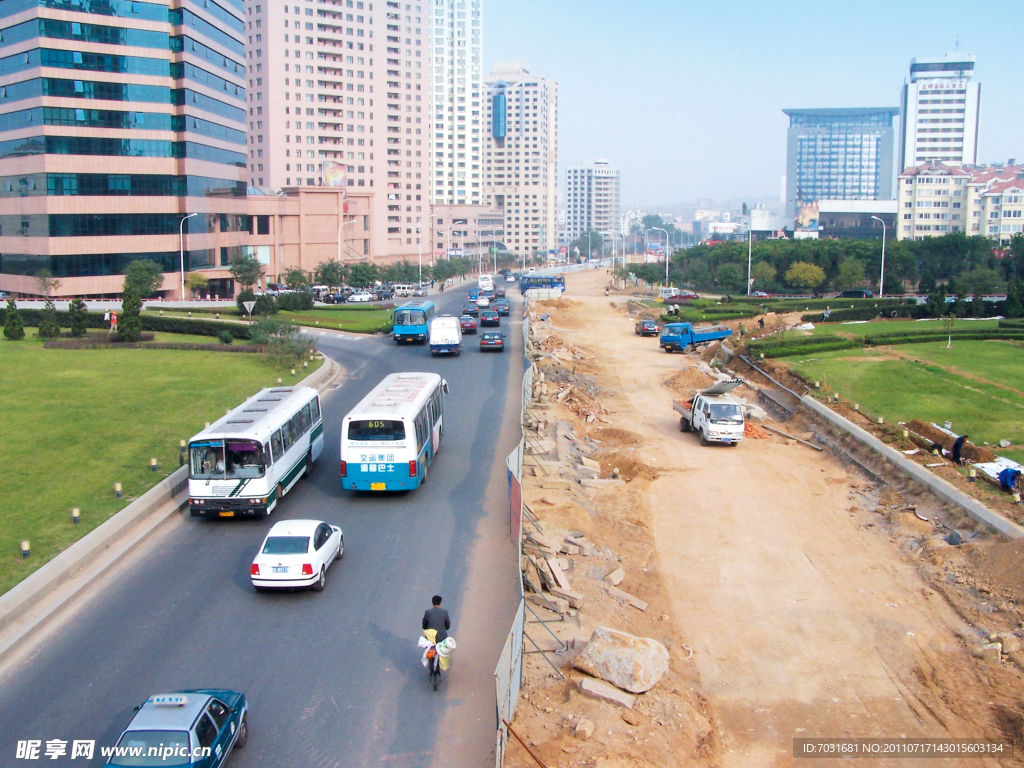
(353, 320)
(77, 421)
(901, 389)
(876, 327)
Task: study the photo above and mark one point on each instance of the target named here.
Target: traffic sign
(248, 306)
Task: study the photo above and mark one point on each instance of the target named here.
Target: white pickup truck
(713, 414)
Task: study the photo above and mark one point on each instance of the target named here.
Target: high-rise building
(592, 199)
(940, 107)
(838, 154)
(521, 156)
(117, 119)
(456, 50)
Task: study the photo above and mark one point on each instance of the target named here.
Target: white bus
(242, 464)
(486, 283)
(390, 438)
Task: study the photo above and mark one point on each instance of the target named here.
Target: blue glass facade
(130, 156)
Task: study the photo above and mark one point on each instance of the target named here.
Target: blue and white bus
(390, 438)
(411, 321)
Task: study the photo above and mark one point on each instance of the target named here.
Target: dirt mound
(1002, 565)
(613, 437)
(688, 380)
(971, 452)
(628, 466)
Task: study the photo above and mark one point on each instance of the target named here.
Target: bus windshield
(410, 317)
(227, 459)
(376, 430)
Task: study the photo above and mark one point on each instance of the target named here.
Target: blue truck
(678, 337)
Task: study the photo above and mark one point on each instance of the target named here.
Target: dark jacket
(437, 618)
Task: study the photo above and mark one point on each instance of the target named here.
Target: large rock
(634, 664)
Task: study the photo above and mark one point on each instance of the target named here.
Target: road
(333, 679)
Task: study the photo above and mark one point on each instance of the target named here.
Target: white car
(483, 301)
(509, 279)
(360, 296)
(297, 553)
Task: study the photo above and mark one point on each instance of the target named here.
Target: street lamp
(659, 229)
(181, 249)
(750, 255)
(881, 277)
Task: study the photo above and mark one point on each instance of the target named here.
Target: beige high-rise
(521, 156)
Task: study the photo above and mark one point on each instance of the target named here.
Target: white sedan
(297, 553)
(483, 301)
(360, 296)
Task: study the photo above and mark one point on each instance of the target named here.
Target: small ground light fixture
(76, 515)
(26, 549)
(117, 490)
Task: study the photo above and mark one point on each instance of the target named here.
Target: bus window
(286, 436)
(275, 445)
(377, 431)
(207, 459)
(409, 317)
(244, 459)
(297, 430)
(307, 422)
(314, 409)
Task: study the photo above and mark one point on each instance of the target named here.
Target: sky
(685, 97)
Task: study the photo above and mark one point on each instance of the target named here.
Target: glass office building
(118, 118)
(838, 154)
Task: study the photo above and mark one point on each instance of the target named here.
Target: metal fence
(508, 677)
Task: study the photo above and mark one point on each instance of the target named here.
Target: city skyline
(736, 74)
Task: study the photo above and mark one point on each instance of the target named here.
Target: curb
(944, 490)
(104, 547)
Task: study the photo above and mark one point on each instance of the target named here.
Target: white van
(403, 289)
(445, 336)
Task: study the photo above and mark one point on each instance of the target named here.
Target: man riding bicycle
(437, 618)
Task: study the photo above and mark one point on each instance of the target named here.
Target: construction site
(709, 605)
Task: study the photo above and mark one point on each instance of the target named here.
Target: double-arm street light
(181, 249)
(881, 277)
(659, 229)
(750, 256)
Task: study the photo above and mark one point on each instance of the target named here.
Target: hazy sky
(686, 97)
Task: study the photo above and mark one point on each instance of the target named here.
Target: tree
(763, 273)
(590, 242)
(927, 283)
(981, 280)
(977, 305)
(948, 321)
(46, 281)
(246, 270)
(265, 305)
(331, 273)
(363, 275)
(197, 282)
(145, 276)
(851, 273)
(79, 318)
(49, 326)
(14, 326)
(129, 324)
(295, 278)
(730, 278)
(1013, 307)
(802, 274)
(280, 340)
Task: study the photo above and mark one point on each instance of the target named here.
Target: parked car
(759, 295)
(214, 719)
(646, 328)
(489, 318)
(857, 293)
(360, 297)
(297, 553)
(419, 291)
(502, 307)
(383, 294)
(471, 309)
(467, 323)
(335, 298)
(492, 340)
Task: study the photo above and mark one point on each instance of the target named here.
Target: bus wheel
(280, 493)
(424, 469)
(309, 464)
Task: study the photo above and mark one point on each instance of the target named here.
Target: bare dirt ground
(797, 597)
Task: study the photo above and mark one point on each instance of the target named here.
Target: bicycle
(434, 666)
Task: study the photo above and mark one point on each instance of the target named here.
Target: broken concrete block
(1010, 642)
(560, 604)
(636, 602)
(631, 717)
(591, 464)
(992, 653)
(604, 692)
(615, 577)
(588, 483)
(584, 729)
(569, 549)
(560, 577)
(589, 472)
(575, 598)
(554, 484)
(634, 664)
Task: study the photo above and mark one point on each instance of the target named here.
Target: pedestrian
(958, 448)
(827, 313)
(760, 322)
(113, 322)
(743, 331)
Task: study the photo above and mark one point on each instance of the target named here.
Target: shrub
(280, 340)
(78, 318)
(265, 305)
(295, 302)
(243, 296)
(14, 326)
(49, 327)
(225, 337)
(193, 326)
(129, 324)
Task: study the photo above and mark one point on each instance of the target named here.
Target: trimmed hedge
(815, 344)
(912, 311)
(185, 325)
(90, 344)
(1012, 323)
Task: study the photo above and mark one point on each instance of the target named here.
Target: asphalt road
(332, 679)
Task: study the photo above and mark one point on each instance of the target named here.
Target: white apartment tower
(456, 48)
(521, 156)
(592, 199)
(940, 107)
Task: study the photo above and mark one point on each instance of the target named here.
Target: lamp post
(659, 229)
(750, 255)
(419, 239)
(181, 249)
(881, 276)
(341, 224)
